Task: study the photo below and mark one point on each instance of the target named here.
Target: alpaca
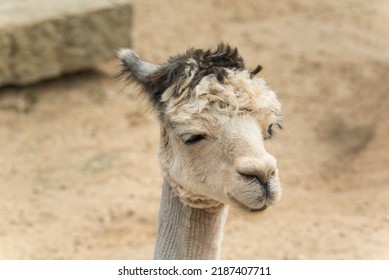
(214, 117)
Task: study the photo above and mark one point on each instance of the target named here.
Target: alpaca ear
(138, 70)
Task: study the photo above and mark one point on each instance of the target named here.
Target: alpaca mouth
(244, 206)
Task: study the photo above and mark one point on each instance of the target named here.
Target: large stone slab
(41, 39)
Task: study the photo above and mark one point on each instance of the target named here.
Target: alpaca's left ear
(143, 73)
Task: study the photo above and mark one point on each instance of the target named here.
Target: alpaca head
(215, 116)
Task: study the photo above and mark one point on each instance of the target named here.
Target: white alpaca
(214, 116)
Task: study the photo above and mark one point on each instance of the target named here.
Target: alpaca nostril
(254, 178)
(273, 173)
(249, 178)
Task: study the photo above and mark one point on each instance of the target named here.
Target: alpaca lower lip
(259, 209)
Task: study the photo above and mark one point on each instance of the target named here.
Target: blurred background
(79, 175)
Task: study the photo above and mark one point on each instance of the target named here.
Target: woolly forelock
(212, 81)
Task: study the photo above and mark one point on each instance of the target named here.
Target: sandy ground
(79, 176)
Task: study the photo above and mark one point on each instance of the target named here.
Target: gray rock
(42, 39)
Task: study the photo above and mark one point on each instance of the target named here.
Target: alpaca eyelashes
(270, 131)
(192, 139)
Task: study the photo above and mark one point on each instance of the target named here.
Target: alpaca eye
(191, 139)
(270, 131)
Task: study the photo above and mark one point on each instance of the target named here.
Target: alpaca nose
(260, 170)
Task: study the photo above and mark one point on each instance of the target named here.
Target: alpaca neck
(185, 232)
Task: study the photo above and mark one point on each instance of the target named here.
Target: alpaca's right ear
(137, 70)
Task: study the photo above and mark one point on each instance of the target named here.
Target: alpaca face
(215, 116)
(213, 142)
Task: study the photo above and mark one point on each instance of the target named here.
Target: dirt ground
(79, 176)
